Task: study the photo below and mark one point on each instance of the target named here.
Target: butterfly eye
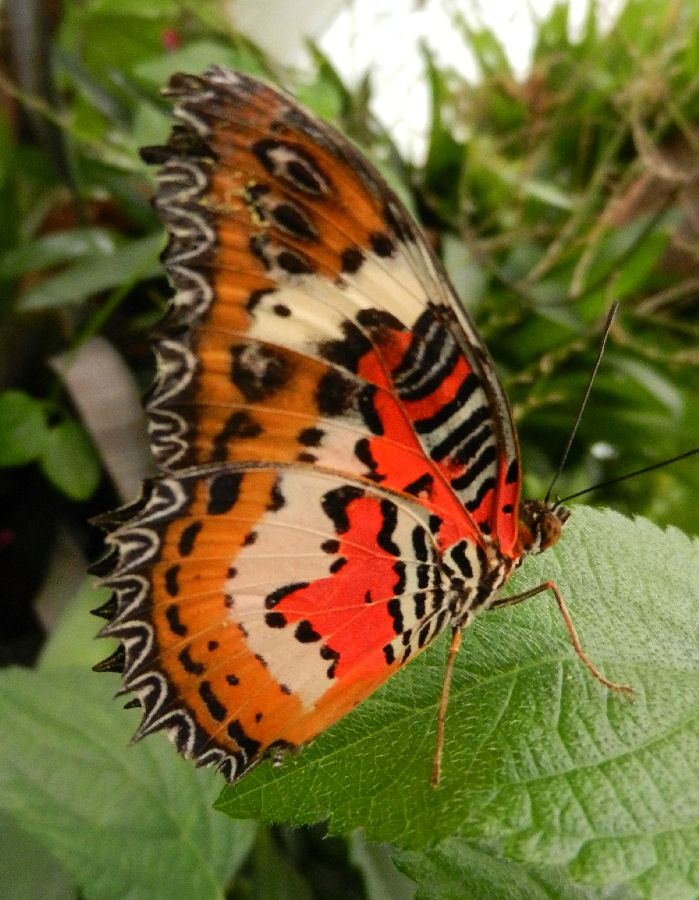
(549, 529)
(539, 526)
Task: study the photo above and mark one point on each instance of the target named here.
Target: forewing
(319, 326)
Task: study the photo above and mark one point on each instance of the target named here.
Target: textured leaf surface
(462, 868)
(123, 821)
(538, 755)
(69, 460)
(56, 248)
(116, 266)
(22, 428)
(41, 874)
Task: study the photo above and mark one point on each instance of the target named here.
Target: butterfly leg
(444, 699)
(550, 585)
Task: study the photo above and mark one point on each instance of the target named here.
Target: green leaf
(538, 755)
(197, 56)
(274, 876)
(23, 429)
(124, 821)
(382, 880)
(28, 868)
(56, 248)
(323, 97)
(445, 154)
(458, 867)
(69, 461)
(127, 263)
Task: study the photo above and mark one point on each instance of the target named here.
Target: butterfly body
(339, 474)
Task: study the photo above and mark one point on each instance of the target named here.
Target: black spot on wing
(377, 320)
(188, 664)
(171, 583)
(367, 409)
(512, 472)
(239, 425)
(292, 165)
(396, 613)
(249, 746)
(277, 499)
(422, 483)
(384, 539)
(172, 614)
(294, 263)
(381, 244)
(346, 351)
(328, 653)
(276, 597)
(458, 554)
(362, 450)
(257, 371)
(311, 437)
(305, 633)
(223, 493)
(255, 297)
(423, 576)
(294, 221)
(216, 709)
(335, 503)
(466, 452)
(337, 395)
(399, 586)
(351, 260)
(419, 544)
(188, 537)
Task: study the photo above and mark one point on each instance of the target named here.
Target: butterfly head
(540, 525)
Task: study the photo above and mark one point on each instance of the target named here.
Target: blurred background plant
(547, 196)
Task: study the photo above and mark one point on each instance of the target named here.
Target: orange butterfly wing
(336, 450)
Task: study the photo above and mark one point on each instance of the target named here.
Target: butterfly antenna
(603, 484)
(583, 402)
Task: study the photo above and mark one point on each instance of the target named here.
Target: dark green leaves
(23, 428)
(103, 265)
(69, 460)
(63, 450)
(123, 822)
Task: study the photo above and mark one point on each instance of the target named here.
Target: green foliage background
(547, 199)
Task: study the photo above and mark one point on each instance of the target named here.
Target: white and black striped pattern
(460, 431)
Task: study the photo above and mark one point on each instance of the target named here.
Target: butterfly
(339, 476)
